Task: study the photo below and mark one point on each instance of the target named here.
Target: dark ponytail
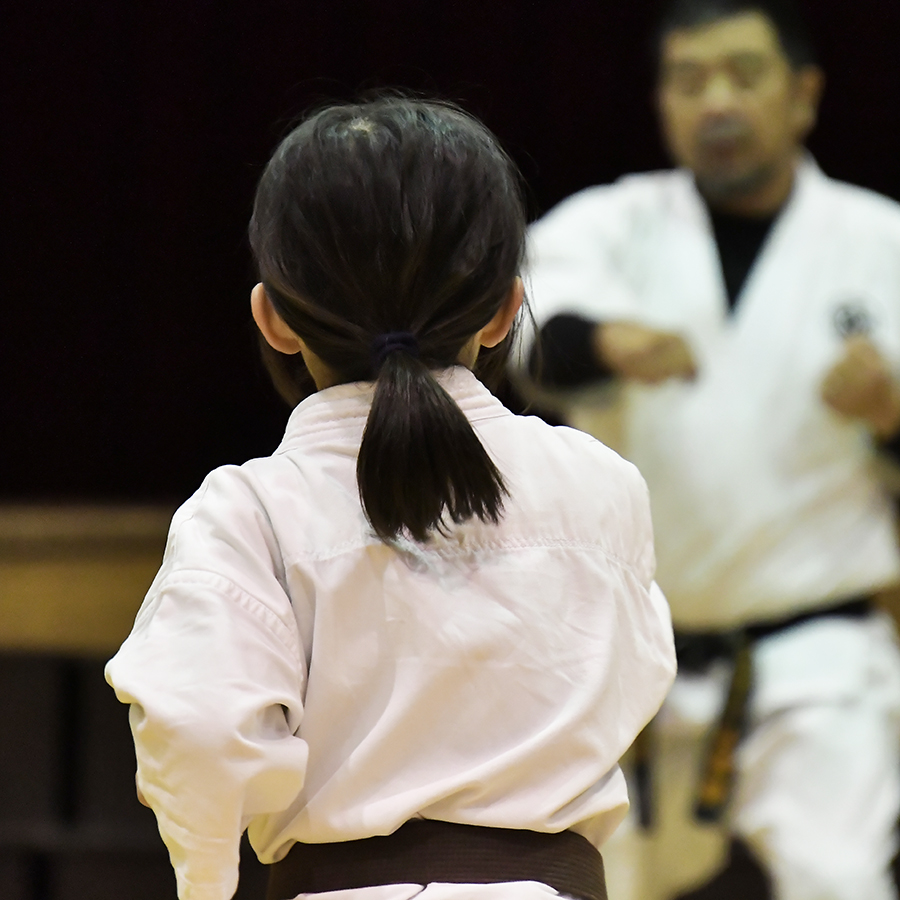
(420, 462)
(387, 235)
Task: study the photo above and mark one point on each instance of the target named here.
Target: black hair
(402, 217)
(786, 17)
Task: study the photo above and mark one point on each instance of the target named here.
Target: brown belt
(424, 851)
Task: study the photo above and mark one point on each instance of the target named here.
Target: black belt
(698, 650)
(423, 851)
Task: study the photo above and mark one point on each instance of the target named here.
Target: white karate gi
(291, 672)
(765, 503)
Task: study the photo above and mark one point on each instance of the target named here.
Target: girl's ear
(499, 326)
(273, 327)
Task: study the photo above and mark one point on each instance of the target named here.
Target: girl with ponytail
(408, 649)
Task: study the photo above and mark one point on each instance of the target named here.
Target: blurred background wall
(133, 137)
(135, 133)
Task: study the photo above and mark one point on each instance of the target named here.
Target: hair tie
(388, 343)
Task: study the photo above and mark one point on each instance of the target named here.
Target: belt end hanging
(718, 772)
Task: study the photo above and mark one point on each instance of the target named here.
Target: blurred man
(744, 311)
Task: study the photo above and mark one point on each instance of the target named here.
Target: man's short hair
(785, 16)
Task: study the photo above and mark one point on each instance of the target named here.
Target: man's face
(733, 110)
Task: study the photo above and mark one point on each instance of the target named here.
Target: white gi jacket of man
(291, 672)
(765, 502)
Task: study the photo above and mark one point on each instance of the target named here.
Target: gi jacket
(291, 672)
(765, 501)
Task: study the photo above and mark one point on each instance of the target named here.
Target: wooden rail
(73, 577)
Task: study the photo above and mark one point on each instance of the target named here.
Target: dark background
(134, 136)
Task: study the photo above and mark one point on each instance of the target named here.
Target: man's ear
(499, 326)
(273, 327)
(809, 84)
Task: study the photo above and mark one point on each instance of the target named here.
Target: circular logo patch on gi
(851, 318)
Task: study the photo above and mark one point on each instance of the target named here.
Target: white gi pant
(818, 775)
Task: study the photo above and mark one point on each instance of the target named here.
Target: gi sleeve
(654, 617)
(575, 259)
(215, 677)
(575, 279)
